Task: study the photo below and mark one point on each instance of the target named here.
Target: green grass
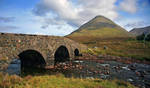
(101, 33)
(58, 81)
(120, 47)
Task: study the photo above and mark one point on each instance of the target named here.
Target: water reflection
(14, 67)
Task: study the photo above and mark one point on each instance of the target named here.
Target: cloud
(6, 28)
(75, 13)
(7, 19)
(129, 6)
(136, 24)
(49, 21)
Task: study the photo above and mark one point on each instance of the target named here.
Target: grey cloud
(49, 21)
(44, 26)
(129, 6)
(40, 10)
(7, 19)
(7, 28)
(136, 24)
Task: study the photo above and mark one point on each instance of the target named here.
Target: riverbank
(58, 81)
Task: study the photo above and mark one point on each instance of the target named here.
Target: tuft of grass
(58, 81)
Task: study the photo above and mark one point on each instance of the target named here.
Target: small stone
(100, 56)
(137, 73)
(104, 65)
(89, 78)
(95, 47)
(103, 76)
(132, 67)
(125, 68)
(142, 73)
(130, 80)
(105, 47)
(19, 41)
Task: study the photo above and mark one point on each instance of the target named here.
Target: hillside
(139, 31)
(99, 27)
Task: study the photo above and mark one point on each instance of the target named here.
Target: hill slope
(139, 31)
(98, 27)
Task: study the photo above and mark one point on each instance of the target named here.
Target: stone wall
(11, 45)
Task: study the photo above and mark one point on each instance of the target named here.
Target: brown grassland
(125, 47)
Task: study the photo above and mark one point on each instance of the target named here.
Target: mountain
(139, 31)
(99, 27)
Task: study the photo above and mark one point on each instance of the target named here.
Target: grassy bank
(120, 47)
(58, 81)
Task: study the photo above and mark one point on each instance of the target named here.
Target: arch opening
(76, 52)
(61, 54)
(31, 59)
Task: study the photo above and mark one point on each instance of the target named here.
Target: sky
(61, 17)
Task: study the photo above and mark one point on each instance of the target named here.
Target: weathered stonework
(11, 45)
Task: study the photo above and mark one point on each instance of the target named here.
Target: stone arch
(31, 59)
(61, 54)
(76, 52)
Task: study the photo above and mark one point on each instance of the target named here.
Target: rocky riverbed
(135, 72)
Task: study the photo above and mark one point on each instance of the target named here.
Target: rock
(95, 47)
(143, 87)
(80, 67)
(142, 73)
(137, 73)
(105, 47)
(104, 76)
(77, 61)
(147, 77)
(96, 72)
(100, 56)
(147, 85)
(16, 61)
(89, 78)
(62, 63)
(107, 72)
(125, 68)
(105, 65)
(133, 67)
(130, 80)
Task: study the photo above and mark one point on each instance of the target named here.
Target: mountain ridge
(139, 31)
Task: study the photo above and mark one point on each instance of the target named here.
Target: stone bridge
(37, 49)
